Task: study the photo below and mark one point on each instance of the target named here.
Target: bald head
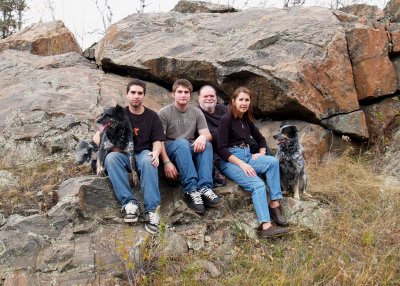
(208, 98)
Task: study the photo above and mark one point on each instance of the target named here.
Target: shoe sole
(129, 220)
(213, 206)
(275, 235)
(195, 210)
(149, 230)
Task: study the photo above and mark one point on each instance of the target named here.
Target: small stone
(31, 211)
(210, 267)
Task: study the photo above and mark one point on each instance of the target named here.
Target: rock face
(368, 11)
(48, 103)
(188, 6)
(390, 163)
(381, 115)
(83, 238)
(352, 124)
(374, 73)
(392, 10)
(44, 39)
(294, 68)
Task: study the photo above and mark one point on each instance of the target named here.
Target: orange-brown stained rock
(44, 39)
(374, 73)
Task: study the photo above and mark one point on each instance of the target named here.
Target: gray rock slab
(295, 61)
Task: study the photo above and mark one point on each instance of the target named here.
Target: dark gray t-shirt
(182, 125)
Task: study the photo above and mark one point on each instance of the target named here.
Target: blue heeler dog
(116, 135)
(291, 160)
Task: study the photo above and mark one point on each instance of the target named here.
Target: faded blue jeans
(195, 169)
(264, 165)
(117, 166)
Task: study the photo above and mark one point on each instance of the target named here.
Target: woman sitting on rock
(238, 164)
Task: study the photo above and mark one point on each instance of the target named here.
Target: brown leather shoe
(277, 216)
(273, 231)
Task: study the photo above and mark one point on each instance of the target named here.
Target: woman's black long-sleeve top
(234, 132)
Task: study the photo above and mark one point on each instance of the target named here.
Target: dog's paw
(135, 179)
(306, 195)
(296, 197)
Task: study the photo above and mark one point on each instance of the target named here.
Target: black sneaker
(194, 201)
(131, 212)
(210, 199)
(152, 224)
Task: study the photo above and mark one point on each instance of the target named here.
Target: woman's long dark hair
(234, 112)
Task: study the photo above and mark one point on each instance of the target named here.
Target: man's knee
(113, 158)
(208, 147)
(273, 161)
(145, 162)
(180, 145)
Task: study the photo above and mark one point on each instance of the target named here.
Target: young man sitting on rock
(148, 135)
(186, 155)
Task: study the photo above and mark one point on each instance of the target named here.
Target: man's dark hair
(138, 82)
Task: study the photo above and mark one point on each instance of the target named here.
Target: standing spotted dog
(291, 160)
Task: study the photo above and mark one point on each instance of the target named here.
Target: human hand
(248, 170)
(155, 161)
(256, 156)
(199, 144)
(170, 171)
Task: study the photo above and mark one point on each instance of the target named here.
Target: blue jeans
(117, 166)
(195, 169)
(264, 165)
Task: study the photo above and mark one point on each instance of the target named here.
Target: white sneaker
(131, 212)
(152, 224)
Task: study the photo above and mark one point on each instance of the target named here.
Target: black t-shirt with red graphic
(147, 128)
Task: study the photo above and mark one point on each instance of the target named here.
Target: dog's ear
(119, 108)
(292, 131)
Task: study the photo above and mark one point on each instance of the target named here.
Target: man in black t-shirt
(148, 134)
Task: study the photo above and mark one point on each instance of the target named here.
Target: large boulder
(381, 115)
(368, 11)
(48, 103)
(352, 124)
(44, 39)
(374, 73)
(295, 61)
(392, 10)
(394, 30)
(193, 6)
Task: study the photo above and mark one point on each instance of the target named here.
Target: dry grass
(360, 245)
(36, 187)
